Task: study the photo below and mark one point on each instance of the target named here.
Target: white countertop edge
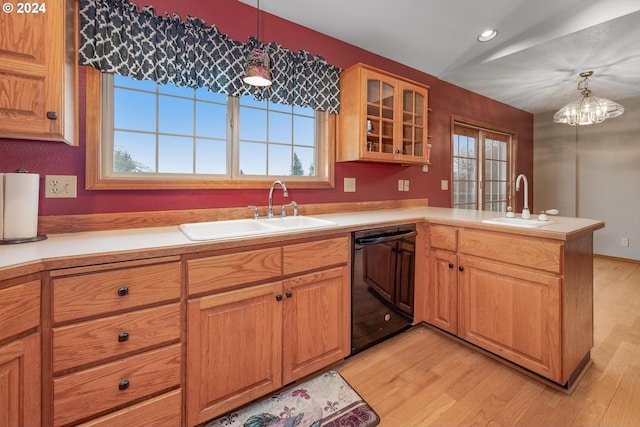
(98, 242)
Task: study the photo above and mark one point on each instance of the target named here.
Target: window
(163, 136)
(481, 167)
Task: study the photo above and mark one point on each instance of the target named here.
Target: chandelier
(257, 70)
(589, 110)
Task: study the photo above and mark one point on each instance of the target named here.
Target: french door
(482, 164)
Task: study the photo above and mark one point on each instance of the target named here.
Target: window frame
(511, 159)
(98, 179)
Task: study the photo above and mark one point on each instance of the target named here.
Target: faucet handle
(256, 211)
(295, 207)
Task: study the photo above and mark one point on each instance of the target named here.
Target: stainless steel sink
(517, 222)
(220, 230)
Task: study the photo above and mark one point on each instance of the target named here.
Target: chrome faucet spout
(525, 210)
(284, 191)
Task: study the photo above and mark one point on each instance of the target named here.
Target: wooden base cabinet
(20, 353)
(524, 298)
(257, 337)
(115, 344)
(513, 313)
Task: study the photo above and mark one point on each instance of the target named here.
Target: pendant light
(588, 110)
(257, 70)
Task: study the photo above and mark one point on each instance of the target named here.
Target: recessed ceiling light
(485, 36)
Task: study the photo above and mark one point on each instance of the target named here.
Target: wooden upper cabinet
(38, 71)
(383, 117)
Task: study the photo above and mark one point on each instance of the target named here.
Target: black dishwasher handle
(372, 240)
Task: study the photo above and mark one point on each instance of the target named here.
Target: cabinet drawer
(312, 255)
(95, 340)
(161, 411)
(94, 390)
(443, 237)
(523, 251)
(76, 297)
(20, 309)
(225, 271)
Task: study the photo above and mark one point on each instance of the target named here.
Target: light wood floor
(423, 378)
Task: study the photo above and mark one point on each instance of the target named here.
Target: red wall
(373, 181)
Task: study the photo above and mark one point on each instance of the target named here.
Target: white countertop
(98, 242)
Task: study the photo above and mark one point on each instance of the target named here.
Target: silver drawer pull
(123, 291)
(123, 336)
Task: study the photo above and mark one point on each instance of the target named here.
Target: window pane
(249, 101)
(304, 131)
(176, 115)
(175, 154)
(306, 158)
(253, 124)
(211, 156)
(279, 160)
(253, 158)
(134, 152)
(273, 106)
(211, 120)
(205, 94)
(280, 128)
(134, 110)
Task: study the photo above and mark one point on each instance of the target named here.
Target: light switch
(444, 184)
(349, 185)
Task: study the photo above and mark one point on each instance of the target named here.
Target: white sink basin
(517, 222)
(297, 222)
(219, 230)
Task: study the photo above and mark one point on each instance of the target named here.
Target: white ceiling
(533, 64)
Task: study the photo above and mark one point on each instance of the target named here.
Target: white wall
(593, 172)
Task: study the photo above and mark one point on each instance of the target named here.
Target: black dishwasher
(381, 284)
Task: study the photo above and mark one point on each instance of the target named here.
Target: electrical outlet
(406, 185)
(60, 186)
(400, 185)
(349, 185)
(624, 241)
(444, 184)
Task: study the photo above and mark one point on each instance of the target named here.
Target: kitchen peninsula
(523, 294)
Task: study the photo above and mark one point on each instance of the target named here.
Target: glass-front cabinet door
(380, 114)
(414, 121)
(383, 117)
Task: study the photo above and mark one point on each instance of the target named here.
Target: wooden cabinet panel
(541, 254)
(220, 272)
(443, 237)
(85, 393)
(20, 382)
(443, 290)
(316, 328)
(87, 295)
(94, 340)
(513, 313)
(38, 73)
(313, 255)
(233, 349)
(162, 411)
(20, 309)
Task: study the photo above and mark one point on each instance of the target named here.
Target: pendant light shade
(257, 70)
(588, 110)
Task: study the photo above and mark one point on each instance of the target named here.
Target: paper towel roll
(21, 192)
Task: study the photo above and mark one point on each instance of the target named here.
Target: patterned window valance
(116, 37)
